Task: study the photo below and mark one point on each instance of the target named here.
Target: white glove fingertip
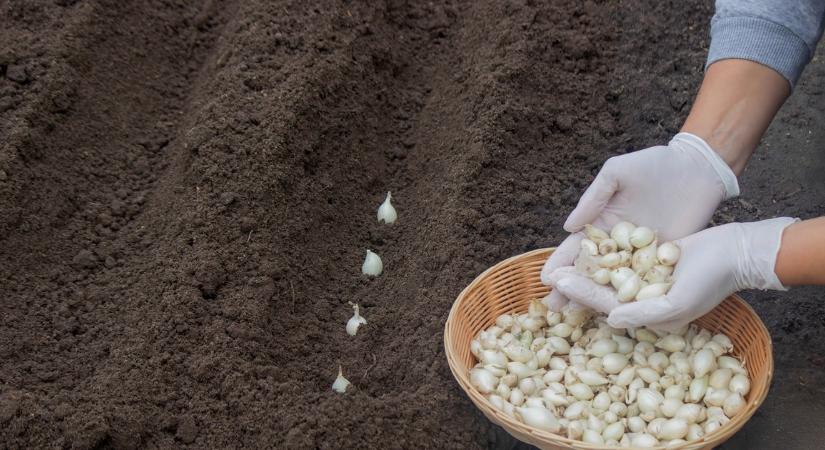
(554, 301)
(564, 255)
(593, 201)
(545, 275)
(562, 272)
(585, 292)
(642, 313)
(619, 318)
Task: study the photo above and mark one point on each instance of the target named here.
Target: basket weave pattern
(509, 286)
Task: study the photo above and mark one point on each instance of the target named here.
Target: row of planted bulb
(372, 266)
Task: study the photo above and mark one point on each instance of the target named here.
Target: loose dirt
(188, 190)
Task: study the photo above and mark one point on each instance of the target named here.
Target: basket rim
(509, 424)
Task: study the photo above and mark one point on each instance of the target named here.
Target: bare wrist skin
(801, 258)
(735, 104)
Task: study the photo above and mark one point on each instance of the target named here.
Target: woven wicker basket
(509, 286)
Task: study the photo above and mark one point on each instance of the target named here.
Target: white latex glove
(715, 263)
(673, 189)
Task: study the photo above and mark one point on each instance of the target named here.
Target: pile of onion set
(630, 259)
(571, 374)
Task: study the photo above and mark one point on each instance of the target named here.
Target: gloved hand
(673, 189)
(714, 263)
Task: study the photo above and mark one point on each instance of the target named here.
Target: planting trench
(188, 190)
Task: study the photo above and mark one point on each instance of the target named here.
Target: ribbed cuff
(759, 40)
(726, 175)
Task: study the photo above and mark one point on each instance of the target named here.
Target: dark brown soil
(187, 190)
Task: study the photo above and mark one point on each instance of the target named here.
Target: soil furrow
(339, 138)
(88, 156)
(35, 93)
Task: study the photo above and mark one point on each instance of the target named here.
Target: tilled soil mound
(187, 191)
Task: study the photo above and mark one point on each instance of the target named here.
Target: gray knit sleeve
(781, 34)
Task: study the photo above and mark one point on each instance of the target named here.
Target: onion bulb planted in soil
(340, 384)
(355, 321)
(386, 212)
(373, 266)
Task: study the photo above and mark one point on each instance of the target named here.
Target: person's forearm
(801, 257)
(736, 103)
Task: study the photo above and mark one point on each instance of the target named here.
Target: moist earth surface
(188, 189)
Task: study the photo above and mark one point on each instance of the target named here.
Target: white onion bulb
(691, 412)
(619, 276)
(658, 273)
(614, 431)
(621, 234)
(716, 397)
(601, 276)
(608, 246)
(595, 234)
(695, 432)
(603, 347)
(581, 391)
(644, 259)
(703, 362)
(386, 212)
(670, 406)
(668, 254)
(516, 397)
(372, 264)
(534, 402)
(539, 418)
(493, 357)
(575, 429)
(589, 247)
(592, 378)
(483, 380)
(629, 289)
(740, 384)
(720, 378)
(527, 385)
(613, 363)
(672, 342)
(504, 321)
(518, 353)
(592, 437)
(733, 404)
(642, 237)
(601, 402)
(575, 410)
(355, 321)
(674, 429)
(340, 384)
(497, 401)
(644, 440)
(595, 424)
(649, 400)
